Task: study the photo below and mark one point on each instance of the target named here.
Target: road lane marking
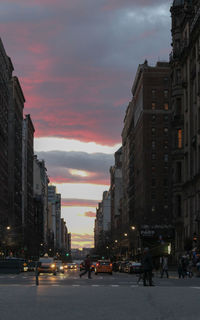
(114, 285)
(76, 285)
(195, 288)
(95, 285)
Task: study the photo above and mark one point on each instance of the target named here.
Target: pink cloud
(79, 203)
(90, 214)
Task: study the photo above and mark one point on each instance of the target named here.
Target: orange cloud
(90, 214)
(82, 240)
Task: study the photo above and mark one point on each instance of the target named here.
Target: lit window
(153, 106)
(153, 117)
(166, 106)
(179, 138)
(153, 208)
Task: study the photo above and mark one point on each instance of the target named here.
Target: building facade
(185, 75)
(15, 127)
(6, 69)
(147, 161)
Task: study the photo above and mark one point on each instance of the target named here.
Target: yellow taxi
(47, 265)
(103, 266)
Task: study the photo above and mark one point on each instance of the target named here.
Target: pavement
(102, 297)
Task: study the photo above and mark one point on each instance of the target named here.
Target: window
(153, 130)
(179, 138)
(153, 156)
(153, 118)
(165, 182)
(166, 118)
(153, 208)
(178, 171)
(153, 94)
(166, 106)
(166, 130)
(166, 157)
(166, 195)
(166, 94)
(153, 144)
(153, 196)
(153, 106)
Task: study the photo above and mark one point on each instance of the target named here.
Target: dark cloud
(60, 163)
(77, 68)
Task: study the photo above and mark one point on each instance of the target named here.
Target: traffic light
(67, 254)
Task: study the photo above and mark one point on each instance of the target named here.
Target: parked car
(31, 265)
(134, 267)
(103, 266)
(122, 266)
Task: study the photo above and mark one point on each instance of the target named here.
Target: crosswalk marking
(114, 285)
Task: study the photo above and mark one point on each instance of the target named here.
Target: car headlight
(61, 268)
(53, 265)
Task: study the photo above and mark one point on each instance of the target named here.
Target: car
(71, 266)
(122, 266)
(134, 267)
(59, 266)
(103, 266)
(93, 265)
(47, 265)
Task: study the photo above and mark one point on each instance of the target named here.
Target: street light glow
(133, 227)
(125, 234)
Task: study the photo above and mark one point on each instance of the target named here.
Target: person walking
(180, 268)
(147, 263)
(87, 264)
(164, 266)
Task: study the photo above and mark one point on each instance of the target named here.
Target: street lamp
(8, 228)
(116, 241)
(132, 227)
(126, 234)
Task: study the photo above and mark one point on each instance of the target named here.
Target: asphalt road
(102, 297)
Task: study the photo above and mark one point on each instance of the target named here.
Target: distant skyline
(76, 61)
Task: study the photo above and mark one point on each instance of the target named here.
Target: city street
(103, 297)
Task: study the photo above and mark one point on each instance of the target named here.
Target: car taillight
(97, 264)
(110, 264)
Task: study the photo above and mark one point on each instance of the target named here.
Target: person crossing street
(87, 264)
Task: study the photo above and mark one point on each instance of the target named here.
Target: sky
(76, 61)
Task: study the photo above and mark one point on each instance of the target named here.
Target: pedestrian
(180, 268)
(147, 264)
(87, 265)
(190, 268)
(164, 266)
